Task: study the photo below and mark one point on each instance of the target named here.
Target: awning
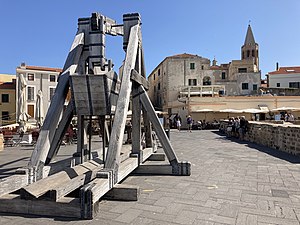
(286, 109)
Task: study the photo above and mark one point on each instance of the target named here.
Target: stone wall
(284, 137)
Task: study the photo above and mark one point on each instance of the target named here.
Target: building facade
(284, 77)
(8, 99)
(40, 84)
(180, 77)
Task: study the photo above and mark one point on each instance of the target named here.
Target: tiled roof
(8, 85)
(184, 55)
(286, 70)
(43, 68)
(216, 68)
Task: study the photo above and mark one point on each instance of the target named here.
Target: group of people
(237, 127)
(289, 117)
(178, 122)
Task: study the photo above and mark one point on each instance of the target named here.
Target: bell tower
(250, 48)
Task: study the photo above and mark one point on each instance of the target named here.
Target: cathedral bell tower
(250, 48)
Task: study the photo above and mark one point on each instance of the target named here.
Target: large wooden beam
(41, 150)
(62, 183)
(117, 133)
(66, 207)
(135, 76)
(13, 183)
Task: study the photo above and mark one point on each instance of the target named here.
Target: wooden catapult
(96, 91)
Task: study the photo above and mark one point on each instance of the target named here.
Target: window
(5, 98)
(192, 82)
(158, 72)
(242, 70)
(202, 67)
(153, 76)
(244, 86)
(52, 78)
(254, 87)
(192, 66)
(5, 115)
(294, 84)
(30, 76)
(51, 93)
(278, 85)
(248, 53)
(30, 93)
(223, 75)
(158, 86)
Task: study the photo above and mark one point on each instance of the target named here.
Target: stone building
(183, 76)
(40, 80)
(8, 99)
(284, 77)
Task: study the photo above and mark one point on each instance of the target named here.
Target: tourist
(189, 122)
(236, 126)
(291, 117)
(243, 127)
(178, 124)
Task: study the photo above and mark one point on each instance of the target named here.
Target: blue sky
(40, 32)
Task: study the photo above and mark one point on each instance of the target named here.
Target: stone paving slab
(232, 182)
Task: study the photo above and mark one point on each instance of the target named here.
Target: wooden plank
(164, 140)
(90, 195)
(57, 180)
(135, 76)
(123, 192)
(12, 183)
(127, 167)
(117, 133)
(154, 170)
(67, 187)
(66, 207)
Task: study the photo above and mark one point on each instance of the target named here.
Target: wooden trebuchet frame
(96, 92)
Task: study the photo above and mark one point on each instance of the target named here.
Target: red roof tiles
(286, 70)
(43, 68)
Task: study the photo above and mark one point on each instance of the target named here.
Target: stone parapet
(284, 137)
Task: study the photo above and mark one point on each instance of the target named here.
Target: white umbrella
(23, 116)
(39, 115)
(255, 111)
(231, 110)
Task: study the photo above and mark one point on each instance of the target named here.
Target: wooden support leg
(136, 123)
(178, 168)
(117, 133)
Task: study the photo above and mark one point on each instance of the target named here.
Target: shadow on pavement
(270, 151)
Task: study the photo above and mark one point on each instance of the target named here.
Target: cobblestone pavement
(232, 182)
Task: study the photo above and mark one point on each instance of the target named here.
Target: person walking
(189, 122)
(178, 124)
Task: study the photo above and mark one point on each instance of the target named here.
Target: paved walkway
(231, 183)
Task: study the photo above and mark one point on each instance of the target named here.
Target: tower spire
(249, 40)
(250, 48)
